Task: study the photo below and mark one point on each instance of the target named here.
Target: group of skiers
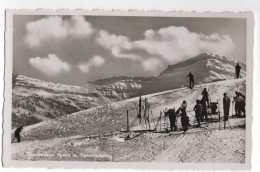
(201, 112)
(181, 112)
(190, 76)
(240, 103)
(200, 107)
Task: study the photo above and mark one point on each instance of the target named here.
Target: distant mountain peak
(206, 67)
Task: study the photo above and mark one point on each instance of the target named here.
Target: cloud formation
(56, 28)
(156, 50)
(151, 64)
(117, 44)
(51, 65)
(93, 62)
(174, 44)
(168, 45)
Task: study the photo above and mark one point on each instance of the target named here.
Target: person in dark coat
(191, 80)
(184, 116)
(240, 103)
(205, 96)
(226, 106)
(172, 118)
(198, 112)
(204, 110)
(17, 134)
(238, 68)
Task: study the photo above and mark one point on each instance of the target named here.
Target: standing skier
(204, 110)
(172, 118)
(240, 100)
(184, 117)
(191, 80)
(198, 112)
(237, 70)
(226, 106)
(17, 134)
(205, 96)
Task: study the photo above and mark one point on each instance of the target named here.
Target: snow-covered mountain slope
(197, 145)
(112, 117)
(120, 87)
(95, 132)
(36, 100)
(205, 67)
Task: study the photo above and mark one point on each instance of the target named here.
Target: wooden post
(140, 107)
(145, 113)
(148, 114)
(127, 121)
(160, 121)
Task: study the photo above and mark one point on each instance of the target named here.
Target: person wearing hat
(172, 117)
(239, 103)
(184, 116)
(205, 96)
(198, 112)
(226, 106)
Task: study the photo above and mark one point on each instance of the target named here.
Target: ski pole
(153, 119)
(219, 120)
(232, 108)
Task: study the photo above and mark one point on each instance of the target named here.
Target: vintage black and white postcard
(171, 89)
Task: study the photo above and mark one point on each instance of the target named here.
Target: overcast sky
(77, 49)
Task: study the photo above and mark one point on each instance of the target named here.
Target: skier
(239, 100)
(226, 106)
(205, 96)
(184, 117)
(204, 110)
(191, 80)
(237, 70)
(172, 118)
(17, 134)
(198, 112)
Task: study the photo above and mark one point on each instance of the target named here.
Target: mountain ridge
(35, 100)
